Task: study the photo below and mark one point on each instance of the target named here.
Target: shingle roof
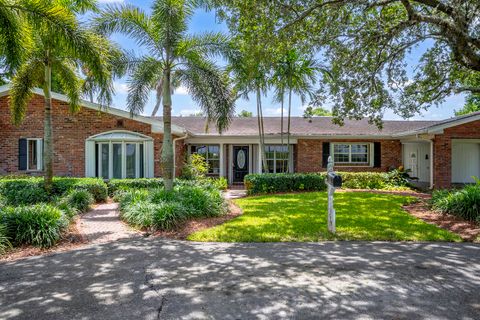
(317, 126)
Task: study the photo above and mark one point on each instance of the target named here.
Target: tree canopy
(364, 47)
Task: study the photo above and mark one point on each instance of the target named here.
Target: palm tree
(250, 76)
(295, 74)
(61, 53)
(173, 56)
(18, 19)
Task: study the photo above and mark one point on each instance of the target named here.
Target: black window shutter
(325, 153)
(377, 154)
(22, 154)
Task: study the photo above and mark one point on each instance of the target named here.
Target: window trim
(197, 145)
(289, 158)
(39, 143)
(370, 155)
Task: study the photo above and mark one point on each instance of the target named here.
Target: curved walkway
(103, 224)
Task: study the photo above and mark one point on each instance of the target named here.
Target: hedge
(464, 202)
(115, 185)
(284, 182)
(290, 182)
(31, 190)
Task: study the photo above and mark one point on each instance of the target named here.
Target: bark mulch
(72, 239)
(467, 230)
(195, 225)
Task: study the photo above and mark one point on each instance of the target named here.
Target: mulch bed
(467, 230)
(71, 240)
(195, 225)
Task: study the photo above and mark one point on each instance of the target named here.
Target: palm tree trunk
(289, 120)
(167, 148)
(281, 119)
(48, 130)
(261, 131)
(159, 97)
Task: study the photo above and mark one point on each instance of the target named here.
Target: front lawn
(303, 217)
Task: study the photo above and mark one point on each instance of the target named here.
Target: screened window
(34, 154)
(120, 160)
(277, 157)
(355, 153)
(211, 153)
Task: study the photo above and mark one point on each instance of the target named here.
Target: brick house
(112, 144)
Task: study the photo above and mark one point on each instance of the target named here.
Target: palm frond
(28, 76)
(70, 83)
(145, 78)
(209, 44)
(209, 88)
(14, 35)
(131, 21)
(170, 18)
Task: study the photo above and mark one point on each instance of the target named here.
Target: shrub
(19, 192)
(220, 183)
(200, 201)
(195, 167)
(31, 190)
(64, 205)
(125, 184)
(169, 215)
(40, 225)
(284, 182)
(129, 197)
(139, 213)
(364, 180)
(464, 203)
(80, 199)
(4, 240)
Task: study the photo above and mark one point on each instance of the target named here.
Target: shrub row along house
(112, 144)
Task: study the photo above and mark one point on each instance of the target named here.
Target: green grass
(303, 217)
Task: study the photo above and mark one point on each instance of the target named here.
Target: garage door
(465, 161)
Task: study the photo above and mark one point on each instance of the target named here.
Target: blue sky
(206, 21)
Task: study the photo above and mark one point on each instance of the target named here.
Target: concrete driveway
(141, 278)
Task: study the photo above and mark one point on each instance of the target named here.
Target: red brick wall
(309, 155)
(442, 150)
(69, 134)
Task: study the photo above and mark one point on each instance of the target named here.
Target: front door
(240, 163)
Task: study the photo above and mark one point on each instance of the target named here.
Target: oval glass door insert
(241, 159)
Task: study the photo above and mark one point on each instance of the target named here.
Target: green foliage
(39, 225)
(303, 217)
(4, 239)
(245, 114)
(316, 112)
(80, 199)
(141, 183)
(290, 182)
(162, 209)
(31, 190)
(284, 182)
(472, 105)
(23, 191)
(195, 168)
(220, 183)
(464, 203)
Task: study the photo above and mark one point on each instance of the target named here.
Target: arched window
(119, 155)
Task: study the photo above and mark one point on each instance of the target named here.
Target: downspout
(175, 154)
(431, 164)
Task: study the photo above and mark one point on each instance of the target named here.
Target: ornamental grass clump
(464, 203)
(81, 200)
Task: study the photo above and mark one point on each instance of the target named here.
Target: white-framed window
(34, 154)
(211, 153)
(120, 159)
(278, 158)
(351, 153)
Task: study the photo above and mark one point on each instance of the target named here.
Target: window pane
(214, 166)
(213, 152)
(105, 160)
(130, 160)
(271, 168)
(341, 148)
(117, 160)
(340, 157)
(142, 165)
(201, 150)
(32, 155)
(359, 158)
(359, 148)
(281, 166)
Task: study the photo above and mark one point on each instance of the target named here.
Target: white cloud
(182, 91)
(274, 111)
(188, 112)
(121, 88)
